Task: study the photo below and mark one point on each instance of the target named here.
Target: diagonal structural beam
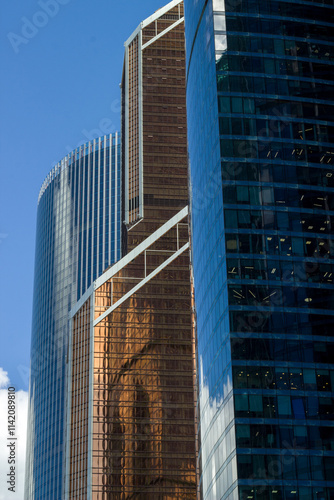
(144, 246)
(171, 27)
(141, 283)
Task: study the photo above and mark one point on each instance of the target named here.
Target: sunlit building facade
(78, 237)
(261, 132)
(154, 123)
(131, 431)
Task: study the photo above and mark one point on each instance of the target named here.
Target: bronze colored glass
(143, 417)
(78, 448)
(163, 129)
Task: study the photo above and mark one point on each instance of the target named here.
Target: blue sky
(62, 63)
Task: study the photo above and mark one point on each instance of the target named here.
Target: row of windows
(295, 407)
(282, 244)
(255, 269)
(285, 436)
(277, 27)
(275, 128)
(288, 493)
(270, 172)
(280, 47)
(246, 63)
(282, 378)
(286, 467)
(282, 350)
(272, 86)
(284, 221)
(267, 195)
(275, 150)
(275, 107)
(284, 9)
(281, 323)
(263, 295)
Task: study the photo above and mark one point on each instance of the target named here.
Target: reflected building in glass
(131, 431)
(261, 132)
(78, 236)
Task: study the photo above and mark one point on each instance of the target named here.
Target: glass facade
(141, 405)
(261, 144)
(78, 452)
(154, 122)
(140, 412)
(78, 237)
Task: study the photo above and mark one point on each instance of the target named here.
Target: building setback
(131, 430)
(78, 236)
(261, 131)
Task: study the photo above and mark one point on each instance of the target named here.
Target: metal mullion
(145, 264)
(140, 124)
(81, 225)
(93, 216)
(74, 239)
(76, 209)
(76, 453)
(82, 334)
(98, 211)
(104, 202)
(111, 173)
(90, 400)
(131, 141)
(75, 387)
(82, 402)
(79, 398)
(69, 410)
(66, 237)
(115, 202)
(73, 427)
(88, 224)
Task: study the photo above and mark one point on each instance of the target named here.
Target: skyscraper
(154, 127)
(131, 427)
(78, 236)
(261, 132)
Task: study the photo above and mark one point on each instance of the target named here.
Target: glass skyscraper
(131, 432)
(78, 237)
(260, 111)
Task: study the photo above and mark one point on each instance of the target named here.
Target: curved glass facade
(78, 237)
(261, 143)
